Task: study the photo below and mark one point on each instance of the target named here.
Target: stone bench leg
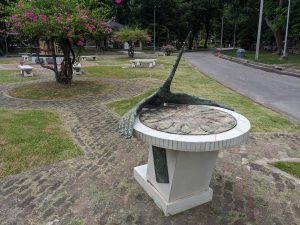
(150, 65)
(27, 73)
(77, 71)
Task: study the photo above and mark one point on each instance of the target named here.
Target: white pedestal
(26, 70)
(189, 178)
(170, 208)
(185, 164)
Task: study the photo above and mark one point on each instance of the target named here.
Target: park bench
(26, 70)
(294, 50)
(77, 69)
(138, 62)
(25, 57)
(160, 54)
(85, 58)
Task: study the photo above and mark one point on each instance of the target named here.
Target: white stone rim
(197, 143)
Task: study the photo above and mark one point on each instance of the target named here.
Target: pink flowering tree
(64, 22)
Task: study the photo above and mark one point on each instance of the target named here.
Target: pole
(234, 35)
(259, 29)
(286, 30)
(154, 29)
(222, 33)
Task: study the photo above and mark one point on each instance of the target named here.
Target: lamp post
(286, 30)
(259, 29)
(222, 33)
(154, 29)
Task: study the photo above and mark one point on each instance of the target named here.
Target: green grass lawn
(10, 76)
(4, 60)
(292, 168)
(32, 138)
(266, 57)
(122, 106)
(52, 90)
(190, 81)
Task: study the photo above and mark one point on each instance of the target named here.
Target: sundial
(184, 134)
(184, 141)
(187, 119)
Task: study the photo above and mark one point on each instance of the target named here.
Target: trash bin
(240, 53)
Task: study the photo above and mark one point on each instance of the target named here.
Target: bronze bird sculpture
(160, 97)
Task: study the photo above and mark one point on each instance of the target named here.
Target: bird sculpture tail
(161, 96)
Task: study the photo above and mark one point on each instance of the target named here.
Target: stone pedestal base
(180, 166)
(173, 207)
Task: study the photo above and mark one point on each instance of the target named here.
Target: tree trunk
(234, 35)
(191, 40)
(278, 36)
(131, 49)
(276, 31)
(65, 75)
(54, 58)
(207, 31)
(279, 40)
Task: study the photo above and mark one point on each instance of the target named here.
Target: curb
(268, 68)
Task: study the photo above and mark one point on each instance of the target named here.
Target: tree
(295, 20)
(64, 22)
(234, 13)
(131, 35)
(275, 19)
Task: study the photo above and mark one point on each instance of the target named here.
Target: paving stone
(98, 188)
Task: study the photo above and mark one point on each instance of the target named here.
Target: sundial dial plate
(187, 119)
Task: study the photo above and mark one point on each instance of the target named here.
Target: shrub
(168, 49)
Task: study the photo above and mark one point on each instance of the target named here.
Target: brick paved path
(98, 188)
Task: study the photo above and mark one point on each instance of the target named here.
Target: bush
(168, 49)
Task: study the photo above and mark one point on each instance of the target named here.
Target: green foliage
(295, 19)
(47, 19)
(236, 13)
(132, 35)
(275, 12)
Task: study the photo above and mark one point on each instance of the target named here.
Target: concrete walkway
(279, 92)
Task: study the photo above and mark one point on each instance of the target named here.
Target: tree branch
(73, 55)
(48, 67)
(42, 64)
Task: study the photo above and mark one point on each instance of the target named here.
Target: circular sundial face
(187, 119)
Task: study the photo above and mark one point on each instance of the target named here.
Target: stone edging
(269, 68)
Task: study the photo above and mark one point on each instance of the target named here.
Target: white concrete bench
(25, 57)
(85, 58)
(160, 54)
(26, 70)
(138, 62)
(77, 69)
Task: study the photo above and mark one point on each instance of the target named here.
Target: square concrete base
(170, 208)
